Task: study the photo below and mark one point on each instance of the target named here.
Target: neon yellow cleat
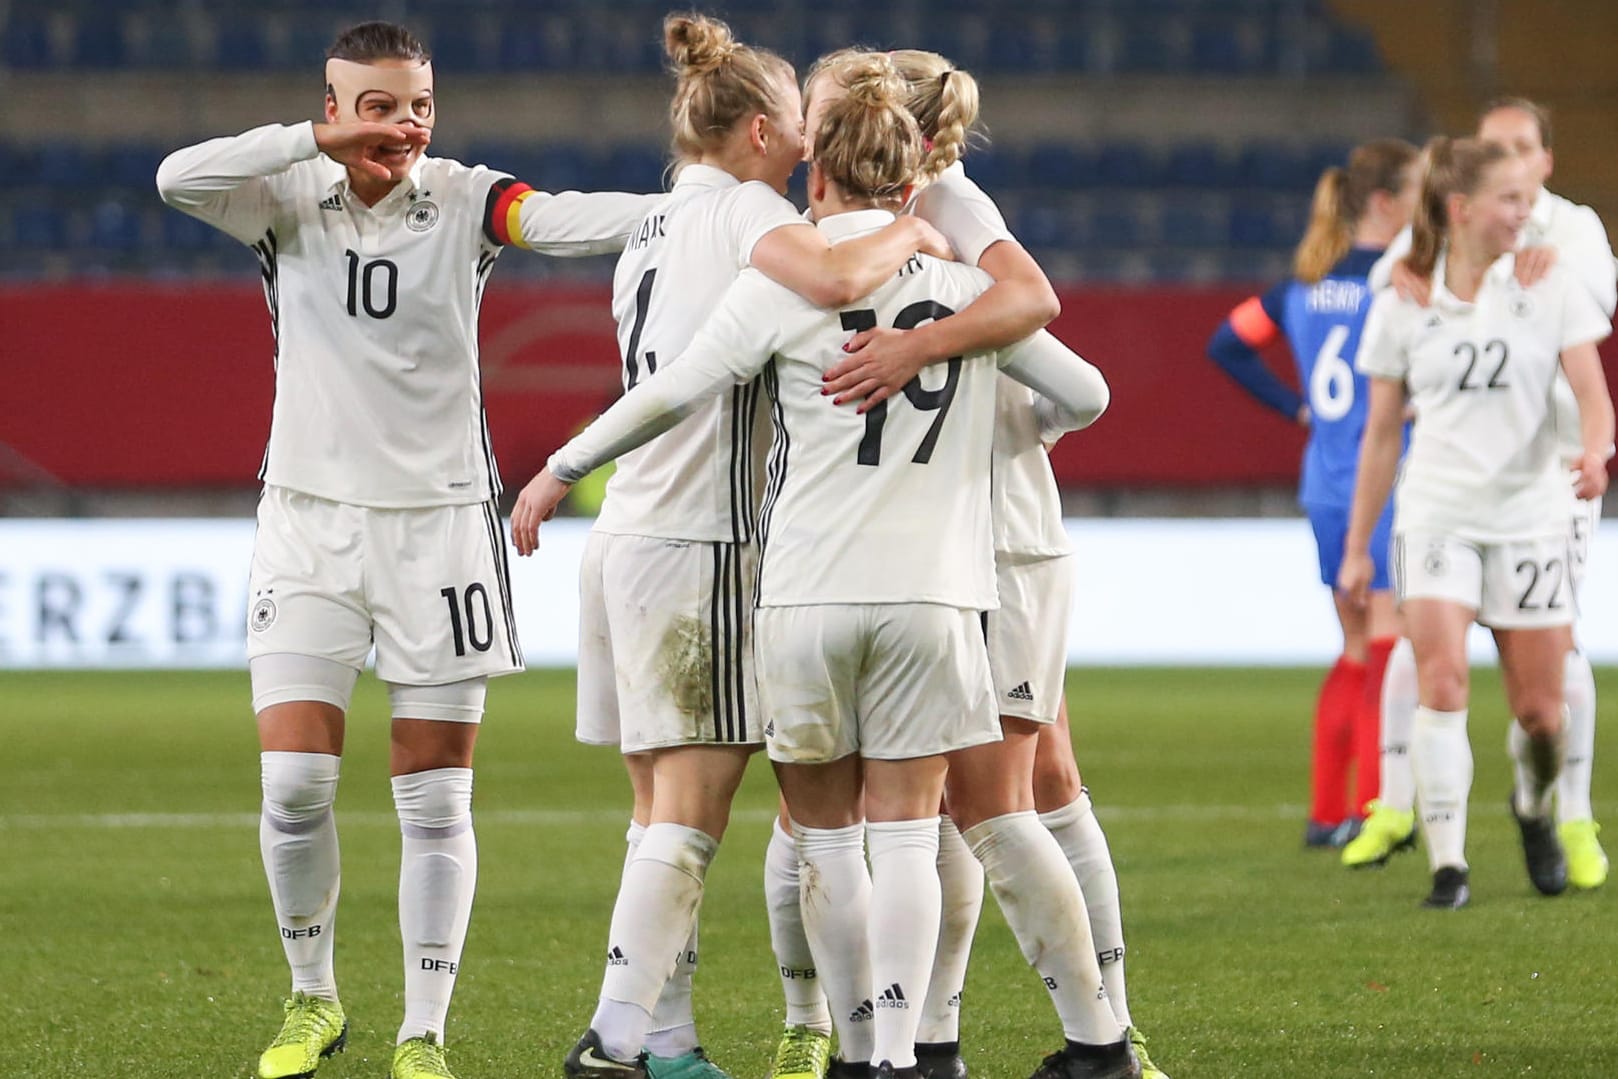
(314, 1029)
(1384, 832)
(420, 1058)
(1586, 861)
(1148, 1070)
(804, 1053)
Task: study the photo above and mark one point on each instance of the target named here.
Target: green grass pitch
(137, 940)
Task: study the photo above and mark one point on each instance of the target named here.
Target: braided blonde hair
(942, 98)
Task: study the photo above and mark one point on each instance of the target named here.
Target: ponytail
(1342, 196)
(868, 143)
(1452, 167)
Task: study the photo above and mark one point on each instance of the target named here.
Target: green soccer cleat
(1384, 832)
(1148, 1070)
(804, 1053)
(692, 1065)
(1586, 861)
(313, 1030)
(420, 1058)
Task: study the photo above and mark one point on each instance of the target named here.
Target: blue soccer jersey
(1322, 324)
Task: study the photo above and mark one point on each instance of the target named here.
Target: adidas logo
(1021, 693)
(331, 202)
(769, 729)
(892, 997)
(616, 957)
(862, 1014)
(954, 1001)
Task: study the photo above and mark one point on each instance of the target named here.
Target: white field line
(555, 817)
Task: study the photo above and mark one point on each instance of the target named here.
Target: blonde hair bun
(697, 44)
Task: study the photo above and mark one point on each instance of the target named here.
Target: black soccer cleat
(587, 1060)
(848, 1069)
(1450, 890)
(940, 1060)
(1075, 1060)
(886, 1070)
(1542, 850)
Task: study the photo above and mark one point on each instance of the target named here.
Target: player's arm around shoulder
(1071, 392)
(567, 224)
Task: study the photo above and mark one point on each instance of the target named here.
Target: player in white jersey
(1564, 233)
(666, 655)
(1482, 498)
(871, 658)
(1027, 635)
(378, 520)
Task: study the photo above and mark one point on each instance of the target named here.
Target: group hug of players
(801, 547)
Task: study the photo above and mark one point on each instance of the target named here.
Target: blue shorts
(1331, 529)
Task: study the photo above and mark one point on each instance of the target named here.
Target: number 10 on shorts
(471, 617)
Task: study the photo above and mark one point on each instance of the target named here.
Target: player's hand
(1354, 577)
(1303, 416)
(879, 363)
(356, 144)
(1410, 287)
(930, 241)
(536, 504)
(1533, 263)
(1590, 476)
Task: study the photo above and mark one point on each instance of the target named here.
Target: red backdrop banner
(144, 385)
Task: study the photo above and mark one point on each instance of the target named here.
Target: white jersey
(1482, 463)
(378, 400)
(1582, 247)
(887, 507)
(701, 480)
(1027, 514)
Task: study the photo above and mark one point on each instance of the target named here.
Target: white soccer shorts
(892, 681)
(666, 643)
(1027, 636)
(428, 587)
(1524, 583)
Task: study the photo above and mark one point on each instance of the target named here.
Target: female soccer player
(378, 519)
(1027, 635)
(666, 653)
(1558, 231)
(871, 660)
(1479, 531)
(1357, 212)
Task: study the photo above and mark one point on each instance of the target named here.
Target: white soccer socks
(806, 1004)
(298, 839)
(674, 1023)
(1039, 896)
(1536, 764)
(1399, 700)
(1573, 788)
(651, 922)
(836, 902)
(1079, 835)
(1441, 761)
(905, 910)
(438, 872)
(960, 880)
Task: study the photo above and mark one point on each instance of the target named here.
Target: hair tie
(927, 145)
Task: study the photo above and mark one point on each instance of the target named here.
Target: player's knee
(434, 804)
(1443, 684)
(1539, 711)
(1056, 780)
(299, 788)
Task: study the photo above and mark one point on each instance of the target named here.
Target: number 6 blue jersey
(1322, 324)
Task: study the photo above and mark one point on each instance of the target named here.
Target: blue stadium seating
(99, 43)
(241, 46)
(25, 43)
(38, 225)
(116, 225)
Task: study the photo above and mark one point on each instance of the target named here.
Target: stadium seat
(116, 225)
(1042, 225)
(1200, 165)
(132, 166)
(1116, 227)
(240, 45)
(458, 47)
(560, 166)
(183, 233)
(1252, 225)
(98, 42)
(1126, 164)
(1273, 166)
(307, 38)
(631, 167)
(166, 46)
(38, 225)
(1351, 51)
(1217, 49)
(1059, 165)
(63, 166)
(525, 45)
(1190, 223)
(25, 43)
